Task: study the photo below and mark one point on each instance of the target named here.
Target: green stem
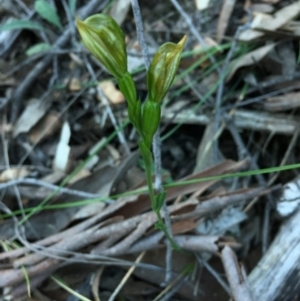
(155, 207)
(149, 182)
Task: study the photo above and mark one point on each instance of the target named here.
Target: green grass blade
(72, 7)
(48, 12)
(21, 24)
(174, 184)
(37, 48)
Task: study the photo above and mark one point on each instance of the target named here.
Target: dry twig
(236, 276)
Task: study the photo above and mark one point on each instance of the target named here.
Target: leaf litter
(75, 212)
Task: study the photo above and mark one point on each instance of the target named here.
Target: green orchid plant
(104, 38)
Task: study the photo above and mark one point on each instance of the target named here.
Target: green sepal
(138, 117)
(163, 69)
(131, 113)
(150, 120)
(104, 38)
(127, 87)
(134, 115)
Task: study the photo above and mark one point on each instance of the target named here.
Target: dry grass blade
(128, 274)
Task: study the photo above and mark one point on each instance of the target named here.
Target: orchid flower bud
(150, 120)
(104, 38)
(163, 69)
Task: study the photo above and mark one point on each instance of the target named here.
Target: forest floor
(75, 215)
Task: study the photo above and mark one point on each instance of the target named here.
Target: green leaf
(37, 48)
(127, 87)
(159, 201)
(47, 12)
(160, 198)
(72, 6)
(21, 24)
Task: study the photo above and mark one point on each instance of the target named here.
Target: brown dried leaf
(13, 173)
(45, 128)
(183, 226)
(227, 166)
(52, 221)
(142, 202)
(54, 177)
(280, 18)
(205, 155)
(83, 173)
(262, 8)
(263, 22)
(225, 14)
(102, 182)
(110, 91)
(74, 84)
(33, 112)
(283, 102)
(250, 58)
